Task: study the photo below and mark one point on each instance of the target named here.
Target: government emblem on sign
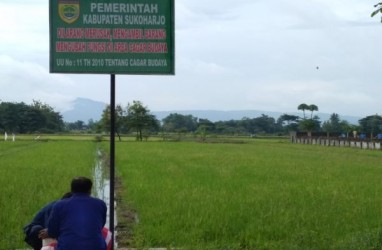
(69, 10)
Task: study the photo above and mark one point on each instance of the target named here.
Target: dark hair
(81, 185)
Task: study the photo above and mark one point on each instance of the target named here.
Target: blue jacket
(39, 222)
(41, 218)
(77, 223)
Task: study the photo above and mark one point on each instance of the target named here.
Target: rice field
(261, 194)
(32, 174)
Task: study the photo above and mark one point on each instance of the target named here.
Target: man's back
(77, 223)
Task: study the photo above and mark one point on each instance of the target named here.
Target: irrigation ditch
(124, 216)
(101, 185)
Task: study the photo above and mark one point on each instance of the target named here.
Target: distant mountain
(84, 110)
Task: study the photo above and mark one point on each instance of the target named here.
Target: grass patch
(33, 174)
(259, 195)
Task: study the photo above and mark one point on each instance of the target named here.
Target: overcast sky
(230, 55)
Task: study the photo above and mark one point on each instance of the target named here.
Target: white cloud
(244, 54)
(27, 81)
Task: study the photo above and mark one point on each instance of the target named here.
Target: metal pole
(112, 157)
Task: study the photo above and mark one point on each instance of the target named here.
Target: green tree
(230, 127)
(23, 118)
(139, 118)
(245, 125)
(371, 125)
(205, 127)
(12, 116)
(119, 123)
(264, 124)
(347, 128)
(53, 120)
(261, 124)
(179, 123)
(333, 125)
(289, 122)
(104, 122)
(303, 107)
(326, 127)
(92, 125)
(311, 108)
(28, 119)
(223, 127)
(76, 126)
(311, 124)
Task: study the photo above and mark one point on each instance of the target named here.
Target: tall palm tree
(312, 108)
(303, 107)
(378, 10)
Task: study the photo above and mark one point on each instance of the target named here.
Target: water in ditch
(101, 185)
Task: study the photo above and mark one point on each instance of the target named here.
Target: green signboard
(112, 36)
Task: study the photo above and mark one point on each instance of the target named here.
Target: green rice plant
(259, 195)
(264, 194)
(32, 174)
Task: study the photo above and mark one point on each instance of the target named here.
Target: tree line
(136, 118)
(23, 118)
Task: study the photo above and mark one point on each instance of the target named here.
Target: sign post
(112, 37)
(112, 158)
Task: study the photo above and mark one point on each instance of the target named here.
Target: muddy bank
(127, 218)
